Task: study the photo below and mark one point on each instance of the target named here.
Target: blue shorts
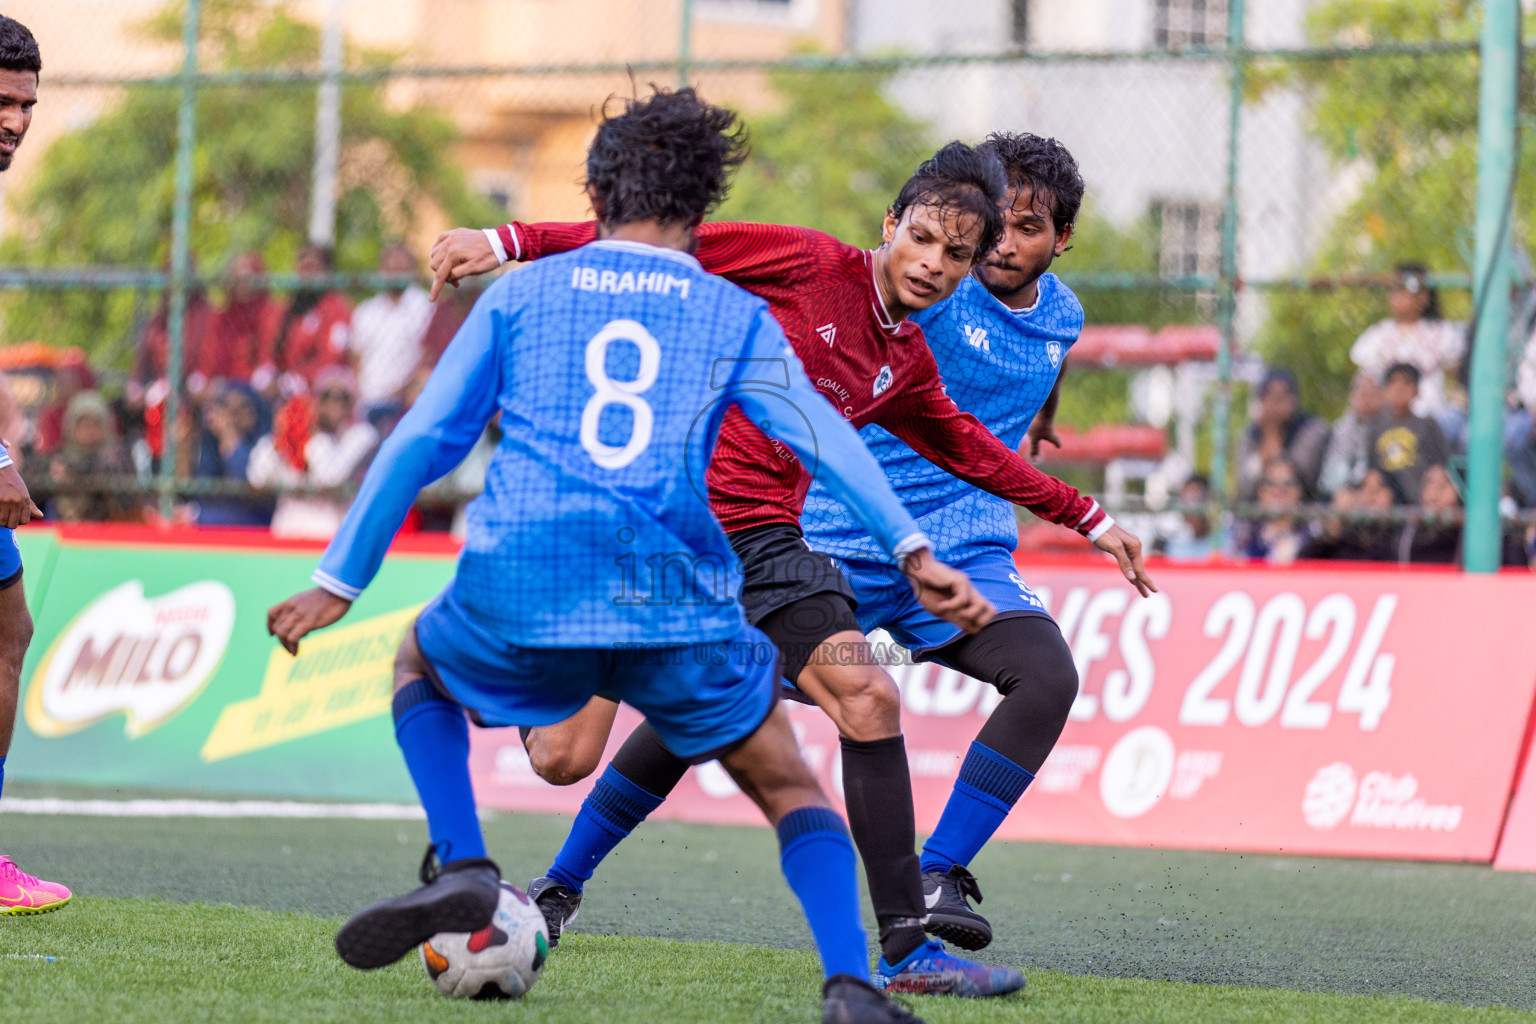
(10, 560)
(886, 600)
(703, 698)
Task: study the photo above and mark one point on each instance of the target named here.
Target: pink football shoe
(21, 893)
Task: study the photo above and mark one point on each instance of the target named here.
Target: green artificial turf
(158, 962)
(1455, 934)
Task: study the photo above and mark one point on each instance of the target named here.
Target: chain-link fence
(207, 233)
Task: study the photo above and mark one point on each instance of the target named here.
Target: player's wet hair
(959, 179)
(667, 157)
(18, 50)
(1045, 168)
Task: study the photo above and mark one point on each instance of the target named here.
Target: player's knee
(409, 664)
(1050, 682)
(15, 637)
(558, 765)
(869, 703)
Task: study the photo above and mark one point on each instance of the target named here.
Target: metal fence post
(685, 44)
(1226, 312)
(1498, 107)
(181, 218)
(322, 200)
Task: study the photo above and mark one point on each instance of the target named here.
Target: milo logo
(144, 658)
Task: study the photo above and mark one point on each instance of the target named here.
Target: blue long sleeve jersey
(999, 365)
(611, 367)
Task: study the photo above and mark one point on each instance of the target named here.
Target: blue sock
(817, 856)
(608, 814)
(988, 787)
(434, 737)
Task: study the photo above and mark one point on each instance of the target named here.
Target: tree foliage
(104, 192)
(1407, 125)
(832, 156)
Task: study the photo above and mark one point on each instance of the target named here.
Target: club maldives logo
(1375, 800)
(144, 658)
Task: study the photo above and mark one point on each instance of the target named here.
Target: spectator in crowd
(1405, 444)
(1520, 431)
(244, 331)
(89, 448)
(1436, 538)
(386, 340)
(1349, 445)
(231, 426)
(1278, 537)
(1280, 429)
(1416, 335)
(1348, 539)
(315, 329)
(70, 378)
(200, 362)
(15, 428)
(319, 444)
(1190, 541)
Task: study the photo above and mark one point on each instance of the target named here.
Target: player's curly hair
(668, 157)
(1045, 168)
(18, 49)
(959, 179)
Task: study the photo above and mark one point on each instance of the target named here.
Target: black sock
(646, 761)
(877, 786)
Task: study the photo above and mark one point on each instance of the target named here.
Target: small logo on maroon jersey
(883, 381)
(828, 332)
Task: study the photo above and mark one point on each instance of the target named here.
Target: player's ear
(1063, 237)
(888, 229)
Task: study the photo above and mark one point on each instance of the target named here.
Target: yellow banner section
(341, 676)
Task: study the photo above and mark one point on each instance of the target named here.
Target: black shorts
(797, 596)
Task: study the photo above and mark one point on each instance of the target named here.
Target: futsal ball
(500, 961)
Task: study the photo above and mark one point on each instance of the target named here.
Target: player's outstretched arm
(829, 446)
(752, 255)
(958, 443)
(16, 505)
(467, 252)
(432, 438)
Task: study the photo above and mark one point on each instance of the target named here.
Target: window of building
(1188, 237)
(1019, 32)
(1182, 24)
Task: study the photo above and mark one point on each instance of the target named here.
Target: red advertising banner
(1314, 710)
(1517, 847)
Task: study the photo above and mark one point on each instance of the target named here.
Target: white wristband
(1105, 525)
(496, 246)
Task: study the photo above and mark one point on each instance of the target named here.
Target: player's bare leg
(567, 752)
(20, 893)
(15, 636)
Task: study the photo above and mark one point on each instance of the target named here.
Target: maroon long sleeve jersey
(871, 368)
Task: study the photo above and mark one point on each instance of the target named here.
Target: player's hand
(1126, 547)
(947, 592)
(1042, 430)
(16, 505)
(302, 614)
(460, 253)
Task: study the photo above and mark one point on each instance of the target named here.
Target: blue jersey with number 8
(611, 367)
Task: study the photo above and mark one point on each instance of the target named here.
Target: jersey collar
(646, 249)
(882, 317)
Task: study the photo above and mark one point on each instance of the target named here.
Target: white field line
(208, 809)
